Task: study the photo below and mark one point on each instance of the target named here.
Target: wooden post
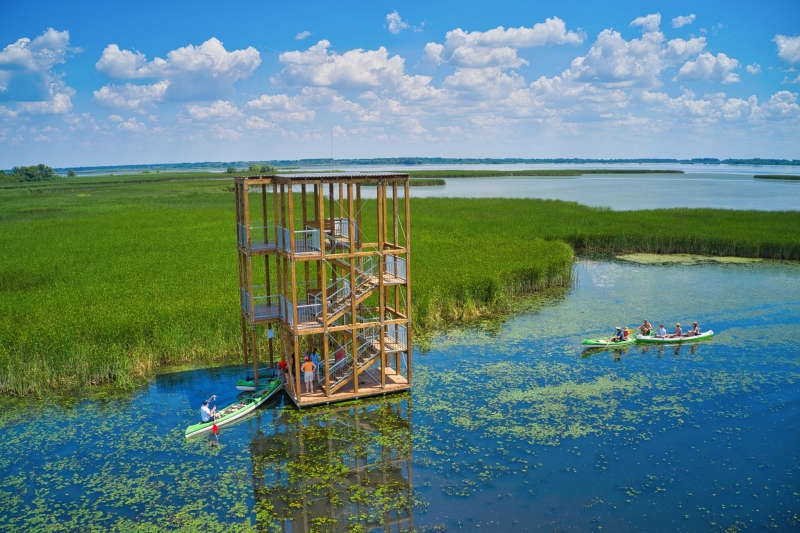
(353, 285)
(264, 212)
(296, 353)
(408, 280)
(244, 340)
(358, 215)
(254, 345)
(270, 344)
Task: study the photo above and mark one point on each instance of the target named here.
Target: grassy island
(106, 279)
(777, 176)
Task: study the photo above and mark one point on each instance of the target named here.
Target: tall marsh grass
(107, 280)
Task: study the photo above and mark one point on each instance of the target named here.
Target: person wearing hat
(618, 335)
(678, 331)
(695, 329)
(206, 414)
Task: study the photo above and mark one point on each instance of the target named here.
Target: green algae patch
(684, 259)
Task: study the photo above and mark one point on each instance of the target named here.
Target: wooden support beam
(408, 279)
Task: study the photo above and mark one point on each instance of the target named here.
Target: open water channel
(698, 186)
(509, 427)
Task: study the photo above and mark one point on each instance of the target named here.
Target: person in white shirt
(207, 414)
(662, 331)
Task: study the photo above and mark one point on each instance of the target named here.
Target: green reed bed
(108, 281)
(761, 234)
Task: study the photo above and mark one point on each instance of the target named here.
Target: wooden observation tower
(324, 265)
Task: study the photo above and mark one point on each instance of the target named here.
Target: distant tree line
(40, 172)
(254, 168)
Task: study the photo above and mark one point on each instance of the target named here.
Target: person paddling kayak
(206, 414)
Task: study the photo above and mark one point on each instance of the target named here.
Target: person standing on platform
(309, 368)
(315, 360)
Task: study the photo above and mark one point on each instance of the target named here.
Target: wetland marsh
(507, 427)
(510, 424)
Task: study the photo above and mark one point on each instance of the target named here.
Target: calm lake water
(712, 186)
(512, 427)
(624, 192)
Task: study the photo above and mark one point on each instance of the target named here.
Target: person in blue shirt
(315, 360)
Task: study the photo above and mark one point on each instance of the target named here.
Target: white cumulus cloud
(649, 23)
(782, 105)
(132, 126)
(711, 68)
(755, 68)
(27, 76)
(210, 58)
(258, 123)
(131, 96)
(219, 110)
(39, 54)
(58, 103)
(788, 48)
(199, 73)
(319, 67)
(395, 24)
(681, 21)
(498, 47)
(613, 61)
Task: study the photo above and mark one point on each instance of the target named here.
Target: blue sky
(110, 83)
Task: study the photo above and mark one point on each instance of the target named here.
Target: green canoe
(675, 340)
(237, 410)
(603, 343)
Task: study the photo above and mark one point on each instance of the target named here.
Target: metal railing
(337, 238)
(259, 304)
(396, 266)
(260, 236)
(307, 314)
(337, 293)
(305, 241)
(398, 333)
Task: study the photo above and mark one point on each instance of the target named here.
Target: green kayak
(265, 374)
(603, 343)
(675, 340)
(237, 410)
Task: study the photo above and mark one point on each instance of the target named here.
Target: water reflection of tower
(333, 468)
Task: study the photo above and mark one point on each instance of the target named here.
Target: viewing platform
(324, 271)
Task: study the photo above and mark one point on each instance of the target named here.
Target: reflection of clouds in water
(603, 274)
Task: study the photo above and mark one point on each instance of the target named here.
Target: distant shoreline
(416, 161)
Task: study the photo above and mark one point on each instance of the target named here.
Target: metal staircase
(340, 294)
(366, 354)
